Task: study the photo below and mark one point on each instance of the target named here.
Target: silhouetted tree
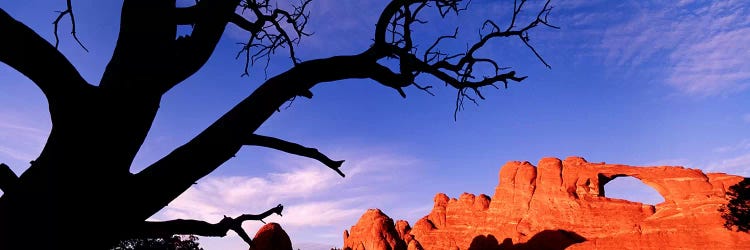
(175, 242)
(78, 183)
(736, 212)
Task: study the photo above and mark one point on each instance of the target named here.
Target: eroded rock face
(375, 230)
(564, 202)
(271, 237)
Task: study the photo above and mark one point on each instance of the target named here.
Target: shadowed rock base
(547, 240)
(561, 205)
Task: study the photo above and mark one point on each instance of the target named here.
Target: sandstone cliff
(562, 203)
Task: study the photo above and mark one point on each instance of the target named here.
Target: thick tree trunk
(79, 219)
(78, 191)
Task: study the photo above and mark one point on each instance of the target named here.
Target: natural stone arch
(640, 187)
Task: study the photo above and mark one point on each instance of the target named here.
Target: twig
(68, 11)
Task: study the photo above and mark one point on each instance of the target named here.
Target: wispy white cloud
(742, 145)
(23, 128)
(20, 139)
(318, 203)
(684, 2)
(731, 159)
(17, 154)
(739, 165)
(214, 197)
(580, 19)
(574, 4)
(701, 45)
(323, 213)
(713, 66)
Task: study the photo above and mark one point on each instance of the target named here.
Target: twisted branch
(268, 32)
(25, 51)
(294, 148)
(68, 11)
(181, 168)
(458, 70)
(155, 229)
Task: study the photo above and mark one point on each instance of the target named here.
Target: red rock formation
(375, 230)
(564, 202)
(271, 237)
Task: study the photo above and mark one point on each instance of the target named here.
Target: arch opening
(632, 189)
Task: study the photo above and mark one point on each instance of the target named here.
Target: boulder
(271, 237)
(375, 231)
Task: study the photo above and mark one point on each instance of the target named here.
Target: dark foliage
(175, 242)
(736, 213)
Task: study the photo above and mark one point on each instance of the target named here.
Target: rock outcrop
(271, 237)
(375, 230)
(563, 203)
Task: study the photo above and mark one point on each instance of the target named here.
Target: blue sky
(632, 82)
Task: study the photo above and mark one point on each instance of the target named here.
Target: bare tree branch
(269, 33)
(145, 51)
(252, 27)
(148, 59)
(68, 11)
(393, 39)
(153, 229)
(177, 171)
(171, 61)
(294, 148)
(8, 179)
(209, 19)
(28, 53)
(186, 15)
(219, 142)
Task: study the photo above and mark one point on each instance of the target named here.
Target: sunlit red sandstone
(561, 204)
(271, 237)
